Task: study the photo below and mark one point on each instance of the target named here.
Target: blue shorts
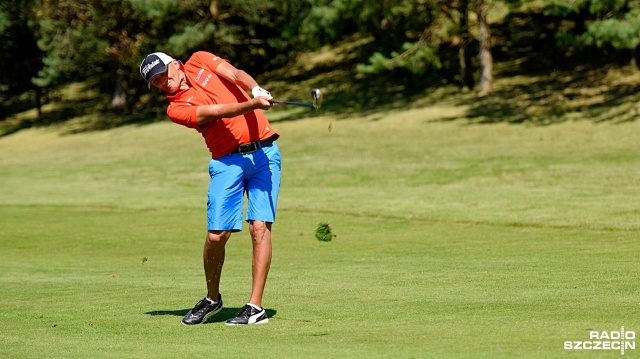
(257, 174)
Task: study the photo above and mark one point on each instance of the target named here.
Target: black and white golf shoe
(202, 311)
(249, 314)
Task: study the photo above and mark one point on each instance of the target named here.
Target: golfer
(208, 94)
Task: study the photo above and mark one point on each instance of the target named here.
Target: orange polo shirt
(224, 135)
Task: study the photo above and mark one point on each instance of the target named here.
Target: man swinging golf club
(208, 94)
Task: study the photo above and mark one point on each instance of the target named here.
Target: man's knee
(218, 237)
(261, 225)
(260, 230)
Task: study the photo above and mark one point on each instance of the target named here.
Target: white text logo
(615, 340)
(199, 74)
(149, 67)
(204, 83)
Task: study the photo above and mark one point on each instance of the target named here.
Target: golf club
(316, 96)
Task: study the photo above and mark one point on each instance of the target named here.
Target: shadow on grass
(224, 314)
(609, 94)
(79, 109)
(599, 92)
(597, 95)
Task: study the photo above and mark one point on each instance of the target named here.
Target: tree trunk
(213, 8)
(486, 61)
(464, 56)
(39, 102)
(119, 101)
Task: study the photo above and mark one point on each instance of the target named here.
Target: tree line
(48, 43)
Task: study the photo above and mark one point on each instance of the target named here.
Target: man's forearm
(245, 80)
(236, 76)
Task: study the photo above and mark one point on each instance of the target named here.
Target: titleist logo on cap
(148, 67)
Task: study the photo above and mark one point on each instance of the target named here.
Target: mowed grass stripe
(447, 289)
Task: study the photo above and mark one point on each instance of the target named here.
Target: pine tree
(20, 58)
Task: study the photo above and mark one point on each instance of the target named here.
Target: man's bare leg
(261, 237)
(213, 255)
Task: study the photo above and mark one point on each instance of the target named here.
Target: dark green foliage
(623, 33)
(396, 26)
(417, 43)
(609, 23)
(20, 58)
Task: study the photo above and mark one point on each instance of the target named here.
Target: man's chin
(171, 89)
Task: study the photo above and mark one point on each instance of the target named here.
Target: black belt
(251, 147)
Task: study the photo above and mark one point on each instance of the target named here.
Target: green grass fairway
(453, 240)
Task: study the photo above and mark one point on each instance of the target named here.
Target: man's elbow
(204, 117)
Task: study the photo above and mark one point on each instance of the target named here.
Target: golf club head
(316, 95)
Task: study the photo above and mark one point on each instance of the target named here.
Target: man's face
(170, 81)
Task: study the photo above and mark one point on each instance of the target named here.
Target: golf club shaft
(305, 104)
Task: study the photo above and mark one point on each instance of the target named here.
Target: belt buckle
(245, 148)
